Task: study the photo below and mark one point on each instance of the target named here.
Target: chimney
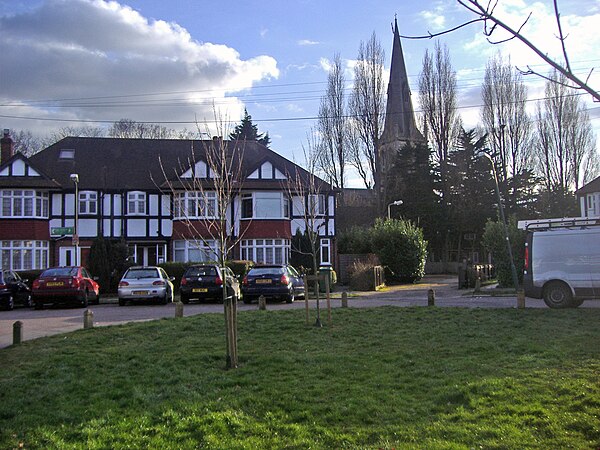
(6, 147)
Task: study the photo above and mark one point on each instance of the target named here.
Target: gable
(18, 167)
(200, 170)
(267, 171)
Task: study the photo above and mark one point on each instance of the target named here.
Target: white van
(562, 261)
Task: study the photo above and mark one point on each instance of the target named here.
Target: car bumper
(273, 292)
(57, 296)
(142, 293)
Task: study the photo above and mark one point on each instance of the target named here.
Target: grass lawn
(378, 378)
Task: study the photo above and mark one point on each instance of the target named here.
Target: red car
(72, 285)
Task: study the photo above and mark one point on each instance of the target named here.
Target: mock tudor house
(56, 202)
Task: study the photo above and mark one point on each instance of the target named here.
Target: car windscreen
(60, 272)
(141, 273)
(257, 271)
(207, 271)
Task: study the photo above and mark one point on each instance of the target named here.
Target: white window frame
(325, 251)
(195, 205)
(24, 255)
(136, 203)
(267, 251)
(317, 204)
(259, 200)
(88, 202)
(591, 205)
(23, 203)
(182, 249)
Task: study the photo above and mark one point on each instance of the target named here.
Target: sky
(92, 62)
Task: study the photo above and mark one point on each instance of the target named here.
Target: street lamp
(501, 211)
(75, 179)
(396, 203)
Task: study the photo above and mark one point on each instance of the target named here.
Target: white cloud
(304, 42)
(325, 64)
(434, 18)
(95, 48)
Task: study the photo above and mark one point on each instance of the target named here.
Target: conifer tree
(247, 131)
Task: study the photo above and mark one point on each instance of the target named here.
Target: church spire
(400, 115)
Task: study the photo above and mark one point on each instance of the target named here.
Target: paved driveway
(55, 321)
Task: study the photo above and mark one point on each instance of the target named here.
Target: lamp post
(75, 179)
(396, 203)
(501, 211)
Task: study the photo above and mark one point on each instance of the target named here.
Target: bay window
(24, 203)
(265, 205)
(266, 251)
(195, 205)
(195, 251)
(24, 255)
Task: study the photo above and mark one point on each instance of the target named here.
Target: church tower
(400, 126)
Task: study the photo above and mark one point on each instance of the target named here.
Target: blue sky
(167, 61)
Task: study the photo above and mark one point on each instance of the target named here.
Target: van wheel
(558, 295)
(576, 302)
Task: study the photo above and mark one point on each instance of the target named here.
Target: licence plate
(55, 283)
(140, 292)
(200, 290)
(265, 281)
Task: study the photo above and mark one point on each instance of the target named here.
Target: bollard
(88, 319)
(430, 297)
(178, 309)
(520, 299)
(262, 303)
(17, 332)
(344, 299)
(477, 285)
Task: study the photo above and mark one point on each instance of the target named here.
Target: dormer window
(67, 154)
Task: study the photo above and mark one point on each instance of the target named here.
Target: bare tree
(82, 131)
(26, 142)
(333, 152)
(485, 12)
(367, 107)
(307, 193)
(127, 128)
(565, 143)
(438, 100)
(206, 190)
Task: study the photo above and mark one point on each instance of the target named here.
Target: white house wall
(136, 227)
(153, 203)
(87, 227)
(167, 227)
(56, 204)
(165, 205)
(18, 168)
(116, 231)
(117, 204)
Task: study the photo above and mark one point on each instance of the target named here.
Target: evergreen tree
(247, 131)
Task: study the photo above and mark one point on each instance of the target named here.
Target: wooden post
(344, 299)
(306, 290)
(521, 299)
(17, 332)
(262, 303)
(328, 294)
(477, 284)
(178, 309)
(88, 319)
(430, 297)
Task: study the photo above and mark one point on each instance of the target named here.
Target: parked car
(562, 263)
(13, 290)
(62, 285)
(145, 283)
(280, 281)
(205, 281)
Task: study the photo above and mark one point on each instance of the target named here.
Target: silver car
(146, 283)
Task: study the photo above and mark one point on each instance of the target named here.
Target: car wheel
(290, 298)
(557, 295)
(97, 300)
(84, 299)
(28, 303)
(38, 305)
(121, 301)
(164, 300)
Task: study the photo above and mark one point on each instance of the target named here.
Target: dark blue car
(277, 281)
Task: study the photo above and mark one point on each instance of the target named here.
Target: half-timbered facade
(56, 202)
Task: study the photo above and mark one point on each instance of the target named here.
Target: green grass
(378, 378)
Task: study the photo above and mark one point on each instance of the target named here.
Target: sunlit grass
(378, 378)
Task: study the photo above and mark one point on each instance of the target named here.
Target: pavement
(46, 322)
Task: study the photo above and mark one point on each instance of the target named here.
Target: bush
(108, 262)
(175, 269)
(401, 247)
(495, 242)
(240, 267)
(356, 240)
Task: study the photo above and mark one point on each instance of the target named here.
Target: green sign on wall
(62, 231)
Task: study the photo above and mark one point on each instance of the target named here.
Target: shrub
(495, 242)
(361, 275)
(108, 262)
(400, 246)
(176, 270)
(356, 240)
(240, 267)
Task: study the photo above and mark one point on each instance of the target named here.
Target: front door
(66, 256)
